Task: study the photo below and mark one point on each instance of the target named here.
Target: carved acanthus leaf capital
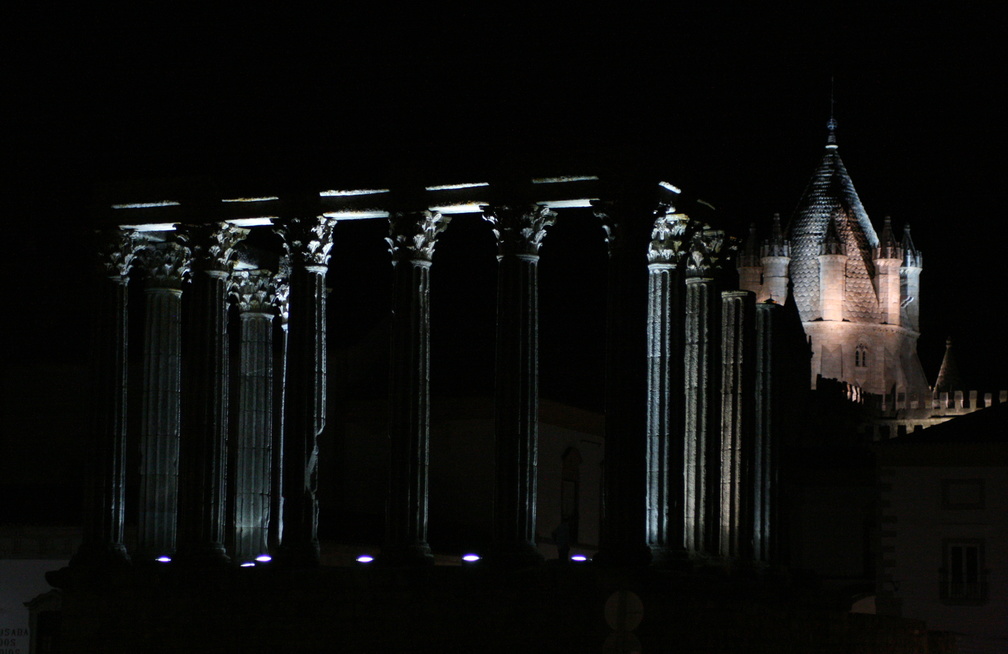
(611, 228)
(254, 290)
(519, 230)
(167, 263)
(213, 244)
(308, 241)
(413, 235)
(118, 252)
(281, 286)
(709, 249)
(670, 238)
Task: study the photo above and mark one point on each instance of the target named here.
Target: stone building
(857, 291)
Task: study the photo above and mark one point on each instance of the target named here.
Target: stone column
(764, 471)
(519, 232)
(166, 264)
(412, 237)
(627, 222)
(307, 242)
(701, 370)
(738, 385)
(282, 283)
(203, 446)
(102, 538)
(255, 291)
(663, 457)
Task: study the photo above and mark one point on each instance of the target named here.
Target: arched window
(861, 357)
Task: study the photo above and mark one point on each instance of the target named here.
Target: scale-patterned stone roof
(830, 194)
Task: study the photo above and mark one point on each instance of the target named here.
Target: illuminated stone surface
(253, 471)
(307, 241)
(519, 232)
(106, 481)
(165, 264)
(664, 455)
(205, 395)
(412, 237)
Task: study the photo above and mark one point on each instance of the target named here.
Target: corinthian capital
(166, 263)
(281, 287)
(708, 250)
(254, 290)
(307, 241)
(212, 245)
(412, 235)
(118, 251)
(669, 238)
(519, 230)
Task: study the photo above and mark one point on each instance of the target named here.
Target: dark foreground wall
(445, 609)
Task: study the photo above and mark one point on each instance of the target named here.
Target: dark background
(732, 103)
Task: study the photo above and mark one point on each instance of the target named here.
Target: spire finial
(831, 123)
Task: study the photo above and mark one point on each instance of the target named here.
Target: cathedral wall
(874, 357)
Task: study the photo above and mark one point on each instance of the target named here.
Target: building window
(861, 357)
(963, 578)
(960, 494)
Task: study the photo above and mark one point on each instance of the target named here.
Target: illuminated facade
(857, 291)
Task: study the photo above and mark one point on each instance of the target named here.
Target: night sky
(732, 105)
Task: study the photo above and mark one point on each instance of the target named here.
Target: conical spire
(912, 257)
(749, 256)
(832, 243)
(948, 375)
(887, 248)
(831, 143)
(776, 245)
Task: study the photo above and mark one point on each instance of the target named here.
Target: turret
(888, 258)
(749, 268)
(913, 263)
(776, 256)
(832, 269)
(948, 375)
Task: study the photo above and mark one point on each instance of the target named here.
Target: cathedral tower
(855, 290)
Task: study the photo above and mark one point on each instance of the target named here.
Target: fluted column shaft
(763, 483)
(516, 413)
(275, 536)
(412, 239)
(738, 372)
(663, 456)
(628, 226)
(102, 538)
(519, 232)
(308, 241)
(701, 414)
(205, 396)
(304, 413)
(409, 412)
(159, 437)
(253, 455)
